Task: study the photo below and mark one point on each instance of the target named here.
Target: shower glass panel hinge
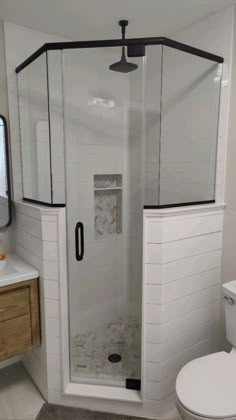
(131, 383)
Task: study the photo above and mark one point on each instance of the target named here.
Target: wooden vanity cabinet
(19, 318)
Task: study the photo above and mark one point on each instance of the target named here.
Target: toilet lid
(207, 386)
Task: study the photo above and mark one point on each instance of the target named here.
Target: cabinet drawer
(14, 303)
(15, 336)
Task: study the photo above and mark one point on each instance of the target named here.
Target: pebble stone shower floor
(90, 352)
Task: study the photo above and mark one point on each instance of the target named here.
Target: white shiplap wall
(181, 297)
(36, 241)
(182, 260)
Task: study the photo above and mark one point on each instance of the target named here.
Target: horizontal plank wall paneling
(158, 232)
(157, 333)
(36, 241)
(159, 253)
(182, 276)
(180, 307)
(165, 273)
(187, 285)
(181, 298)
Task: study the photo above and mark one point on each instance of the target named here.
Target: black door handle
(79, 241)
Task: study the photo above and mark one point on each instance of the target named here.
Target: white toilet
(206, 387)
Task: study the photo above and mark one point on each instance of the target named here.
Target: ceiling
(97, 19)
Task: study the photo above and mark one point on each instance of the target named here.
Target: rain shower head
(123, 66)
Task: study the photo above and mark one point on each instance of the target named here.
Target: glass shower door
(104, 121)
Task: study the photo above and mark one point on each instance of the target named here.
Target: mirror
(5, 185)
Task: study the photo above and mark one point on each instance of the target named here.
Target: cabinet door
(15, 336)
(14, 303)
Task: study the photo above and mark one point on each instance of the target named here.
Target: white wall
(190, 95)
(229, 237)
(42, 131)
(7, 237)
(189, 127)
(20, 43)
(3, 80)
(214, 34)
(34, 124)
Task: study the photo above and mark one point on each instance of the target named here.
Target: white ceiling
(97, 19)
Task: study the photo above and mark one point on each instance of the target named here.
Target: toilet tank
(229, 292)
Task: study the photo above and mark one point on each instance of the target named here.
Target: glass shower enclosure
(107, 144)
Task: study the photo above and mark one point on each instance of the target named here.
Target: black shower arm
(123, 23)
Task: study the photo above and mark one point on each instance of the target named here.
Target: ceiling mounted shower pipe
(123, 66)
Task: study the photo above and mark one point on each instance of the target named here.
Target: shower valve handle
(79, 241)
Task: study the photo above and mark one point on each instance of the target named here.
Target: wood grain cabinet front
(19, 318)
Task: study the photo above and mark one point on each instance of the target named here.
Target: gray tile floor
(90, 352)
(57, 412)
(19, 398)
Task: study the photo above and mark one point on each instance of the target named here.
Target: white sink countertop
(230, 287)
(14, 270)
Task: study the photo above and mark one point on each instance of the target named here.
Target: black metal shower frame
(52, 46)
(163, 41)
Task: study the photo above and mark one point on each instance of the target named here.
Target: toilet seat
(189, 415)
(206, 387)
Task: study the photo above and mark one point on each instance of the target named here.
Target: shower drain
(114, 358)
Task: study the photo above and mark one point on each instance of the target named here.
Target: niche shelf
(108, 205)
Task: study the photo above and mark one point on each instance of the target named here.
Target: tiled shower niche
(108, 205)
